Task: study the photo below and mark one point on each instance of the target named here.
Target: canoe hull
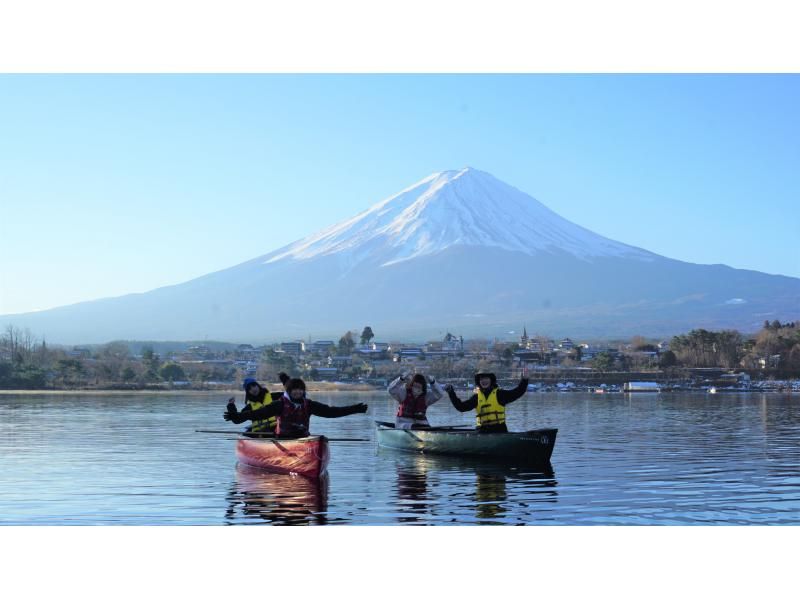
(307, 457)
(530, 446)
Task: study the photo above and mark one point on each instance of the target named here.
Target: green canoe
(530, 446)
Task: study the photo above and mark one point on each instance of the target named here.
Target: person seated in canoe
(292, 411)
(489, 400)
(256, 397)
(414, 397)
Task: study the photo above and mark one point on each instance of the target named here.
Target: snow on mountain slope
(455, 207)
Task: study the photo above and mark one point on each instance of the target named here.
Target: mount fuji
(459, 251)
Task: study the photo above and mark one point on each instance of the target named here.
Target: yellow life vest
(489, 410)
(262, 425)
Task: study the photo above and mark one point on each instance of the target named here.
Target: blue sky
(112, 184)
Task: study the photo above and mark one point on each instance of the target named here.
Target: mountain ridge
(459, 251)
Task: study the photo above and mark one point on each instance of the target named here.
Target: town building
(294, 348)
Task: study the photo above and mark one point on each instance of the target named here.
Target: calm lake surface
(646, 459)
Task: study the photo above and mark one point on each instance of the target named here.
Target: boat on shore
(307, 456)
(532, 446)
(641, 387)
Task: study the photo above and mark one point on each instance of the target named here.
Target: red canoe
(304, 456)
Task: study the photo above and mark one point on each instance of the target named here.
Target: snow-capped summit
(455, 207)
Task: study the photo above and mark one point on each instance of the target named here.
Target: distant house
(590, 353)
(380, 346)
(80, 353)
(410, 353)
(246, 366)
(247, 352)
(371, 354)
(340, 361)
(199, 352)
(438, 354)
(327, 373)
(525, 356)
(224, 363)
(293, 348)
(566, 345)
(322, 346)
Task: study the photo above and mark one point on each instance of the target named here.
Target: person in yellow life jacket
(489, 400)
(256, 397)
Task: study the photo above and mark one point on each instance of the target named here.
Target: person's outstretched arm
(323, 410)
(234, 415)
(247, 413)
(504, 397)
(462, 406)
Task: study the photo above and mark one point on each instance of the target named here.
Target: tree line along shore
(696, 359)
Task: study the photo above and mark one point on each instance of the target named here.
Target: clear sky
(112, 184)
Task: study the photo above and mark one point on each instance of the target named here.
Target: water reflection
(279, 499)
(412, 489)
(498, 494)
(678, 459)
(490, 494)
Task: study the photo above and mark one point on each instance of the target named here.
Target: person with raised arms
(414, 395)
(292, 411)
(489, 400)
(256, 397)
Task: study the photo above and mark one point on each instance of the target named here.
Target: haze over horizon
(155, 180)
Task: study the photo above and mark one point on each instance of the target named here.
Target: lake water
(647, 459)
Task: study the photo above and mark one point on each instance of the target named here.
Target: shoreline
(311, 387)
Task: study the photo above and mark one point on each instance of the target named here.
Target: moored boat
(529, 446)
(307, 456)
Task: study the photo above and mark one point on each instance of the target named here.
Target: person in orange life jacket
(414, 399)
(489, 400)
(293, 411)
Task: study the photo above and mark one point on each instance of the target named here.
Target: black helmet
(489, 375)
(295, 383)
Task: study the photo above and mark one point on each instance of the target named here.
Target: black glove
(232, 414)
(360, 408)
(449, 388)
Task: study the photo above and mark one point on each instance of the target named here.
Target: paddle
(273, 437)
